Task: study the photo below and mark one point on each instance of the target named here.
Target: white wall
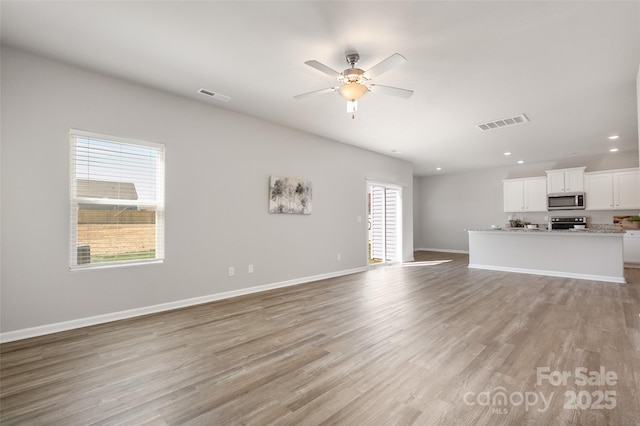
(446, 205)
(450, 204)
(218, 165)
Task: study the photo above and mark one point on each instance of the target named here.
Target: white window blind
(117, 201)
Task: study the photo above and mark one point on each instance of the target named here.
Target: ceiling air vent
(214, 95)
(503, 122)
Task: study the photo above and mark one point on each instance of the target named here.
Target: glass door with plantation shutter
(385, 223)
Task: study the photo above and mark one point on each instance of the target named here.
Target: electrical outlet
(232, 271)
(251, 269)
(339, 257)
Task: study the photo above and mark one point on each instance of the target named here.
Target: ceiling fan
(355, 83)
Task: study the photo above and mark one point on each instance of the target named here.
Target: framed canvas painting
(289, 195)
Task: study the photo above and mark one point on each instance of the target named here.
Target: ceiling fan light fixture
(353, 91)
(355, 83)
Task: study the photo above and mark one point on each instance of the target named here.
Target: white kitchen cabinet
(565, 180)
(626, 189)
(513, 195)
(613, 190)
(525, 195)
(599, 191)
(535, 195)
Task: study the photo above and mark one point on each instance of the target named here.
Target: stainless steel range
(566, 222)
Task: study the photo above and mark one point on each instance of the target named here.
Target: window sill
(111, 265)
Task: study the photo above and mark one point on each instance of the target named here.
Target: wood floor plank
(415, 344)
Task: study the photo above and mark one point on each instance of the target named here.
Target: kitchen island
(583, 254)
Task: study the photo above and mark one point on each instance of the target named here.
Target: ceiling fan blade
(323, 68)
(393, 91)
(384, 66)
(317, 92)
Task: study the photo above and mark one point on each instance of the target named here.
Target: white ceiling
(569, 66)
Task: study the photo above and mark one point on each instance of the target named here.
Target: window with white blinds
(117, 201)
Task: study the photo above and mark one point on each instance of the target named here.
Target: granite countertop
(554, 231)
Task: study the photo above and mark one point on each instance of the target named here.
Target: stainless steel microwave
(566, 201)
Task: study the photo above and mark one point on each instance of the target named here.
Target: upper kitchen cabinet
(613, 190)
(525, 195)
(565, 180)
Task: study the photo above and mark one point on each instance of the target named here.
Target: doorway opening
(384, 215)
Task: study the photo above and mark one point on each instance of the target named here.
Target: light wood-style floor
(425, 343)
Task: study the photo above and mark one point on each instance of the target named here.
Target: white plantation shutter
(386, 223)
(377, 223)
(392, 196)
(117, 201)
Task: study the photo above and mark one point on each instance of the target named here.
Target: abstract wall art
(289, 195)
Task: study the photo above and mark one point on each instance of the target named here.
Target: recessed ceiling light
(507, 153)
(613, 137)
(613, 150)
(438, 168)
(520, 161)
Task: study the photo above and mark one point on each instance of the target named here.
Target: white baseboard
(41, 330)
(442, 250)
(606, 278)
